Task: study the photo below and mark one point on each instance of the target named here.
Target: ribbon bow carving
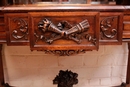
(47, 25)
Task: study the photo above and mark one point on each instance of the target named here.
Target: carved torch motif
(63, 30)
(21, 30)
(106, 28)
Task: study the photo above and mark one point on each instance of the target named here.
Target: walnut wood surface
(1, 68)
(60, 7)
(118, 16)
(128, 67)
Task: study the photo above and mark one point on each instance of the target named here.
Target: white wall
(103, 68)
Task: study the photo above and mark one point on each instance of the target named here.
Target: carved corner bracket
(21, 30)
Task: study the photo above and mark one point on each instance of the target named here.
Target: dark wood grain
(62, 7)
(1, 67)
(128, 67)
(30, 15)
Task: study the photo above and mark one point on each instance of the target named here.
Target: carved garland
(106, 28)
(22, 29)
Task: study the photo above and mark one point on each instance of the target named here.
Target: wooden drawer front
(64, 30)
(16, 28)
(126, 23)
(111, 26)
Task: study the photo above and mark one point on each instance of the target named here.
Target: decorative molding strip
(106, 28)
(22, 29)
(64, 52)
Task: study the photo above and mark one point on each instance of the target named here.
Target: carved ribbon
(59, 32)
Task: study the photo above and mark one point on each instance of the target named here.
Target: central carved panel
(64, 31)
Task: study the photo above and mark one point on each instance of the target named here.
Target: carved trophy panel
(17, 28)
(53, 31)
(111, 27)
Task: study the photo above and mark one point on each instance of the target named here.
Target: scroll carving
(63, 30)
(21, 30)
(64, 52)
(106, 28)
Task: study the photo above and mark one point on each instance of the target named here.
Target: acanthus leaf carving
(21, 30)
(106, 28)
(66, 79)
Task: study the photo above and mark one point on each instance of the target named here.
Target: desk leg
(128, 68)
(127, 84)
(1, 68)
(2, 82)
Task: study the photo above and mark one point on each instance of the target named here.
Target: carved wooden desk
(64, 30)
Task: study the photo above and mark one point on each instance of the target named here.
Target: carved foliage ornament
(106, 28)
(64, 30)
(66, 79)
(21, 30)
